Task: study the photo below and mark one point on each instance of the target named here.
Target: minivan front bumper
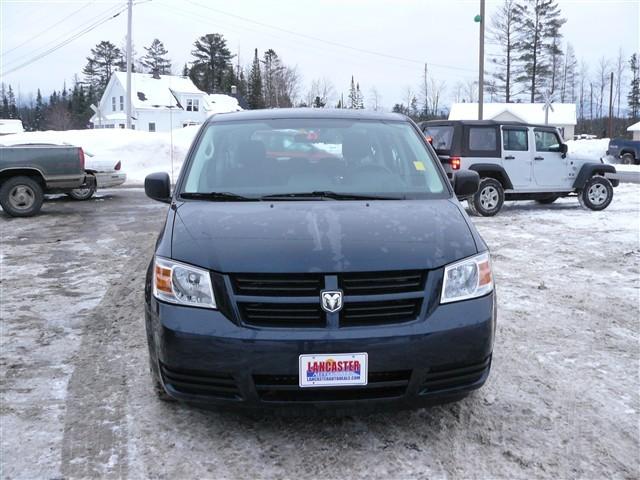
(203, 357)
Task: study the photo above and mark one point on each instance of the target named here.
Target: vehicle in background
(27, 172)
(293, 282)
(624, 151)
(517, 161)
(584, 136)
(10, 126)
(107, 173)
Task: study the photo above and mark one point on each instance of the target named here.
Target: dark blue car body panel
(216, 357)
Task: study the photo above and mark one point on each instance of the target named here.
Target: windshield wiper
(327, 194)
(218, 196)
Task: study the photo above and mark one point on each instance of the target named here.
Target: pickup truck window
(279, 157)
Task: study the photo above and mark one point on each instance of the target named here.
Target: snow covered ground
(561, 402)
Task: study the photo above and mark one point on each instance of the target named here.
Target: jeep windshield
(309, 159)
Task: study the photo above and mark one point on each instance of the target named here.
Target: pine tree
(12, 110)
(538, 23)
(212, 60)
(503, 32)
(359, 98)
(255, 98)
(39, 112)
(4, 109)
(101, 65)
(353, 95)
(634, 88)
(155, 60)
(185, 71)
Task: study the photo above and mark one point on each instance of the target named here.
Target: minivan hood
(320, 236)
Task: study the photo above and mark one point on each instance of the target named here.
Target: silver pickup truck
(27, 172)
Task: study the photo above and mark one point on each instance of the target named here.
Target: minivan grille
(379, 313)
(282, 314)
(285, 285)
(370, 298)
(376, 283)
(200, 383)
(285, 388)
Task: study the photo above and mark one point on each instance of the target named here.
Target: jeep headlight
(182, 284)
(468, 278)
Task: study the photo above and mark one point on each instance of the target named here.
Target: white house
(563, 115)
(158, 104)
(635, 129)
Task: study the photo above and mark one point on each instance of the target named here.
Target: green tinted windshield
(287, 156)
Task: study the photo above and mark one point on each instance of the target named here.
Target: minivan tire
(627, 159)
(21, 196)
(488, 200)
(596, 194)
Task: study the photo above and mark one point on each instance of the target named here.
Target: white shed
(635, 130)
(563, 115)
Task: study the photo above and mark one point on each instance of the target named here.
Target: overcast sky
(310, 34)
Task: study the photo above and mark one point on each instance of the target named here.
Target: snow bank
(594, 149)
(140, 152)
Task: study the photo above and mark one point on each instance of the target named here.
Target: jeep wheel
(547, 200)
(597, 193)
(21, 196)
(489, 198)
(627, 159)
(82, 193)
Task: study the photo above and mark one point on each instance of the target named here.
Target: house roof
(562, 114)
(149, 92)
(634, 128)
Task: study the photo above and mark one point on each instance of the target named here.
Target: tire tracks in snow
(95, 432)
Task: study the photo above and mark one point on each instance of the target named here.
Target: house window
(122, 125)
(152, 126)
(193, 105)
(113, 104)
(121, 103)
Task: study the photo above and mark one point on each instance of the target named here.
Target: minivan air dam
(317, 260)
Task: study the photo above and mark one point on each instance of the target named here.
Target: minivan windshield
(302, 158)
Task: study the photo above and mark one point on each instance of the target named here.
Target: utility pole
(426, 92)
(480, 19)
(611, 106)
(129, 59)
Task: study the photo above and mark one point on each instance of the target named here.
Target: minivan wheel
(596, 194)
(489, 199)
(21, 196)
(627, 159)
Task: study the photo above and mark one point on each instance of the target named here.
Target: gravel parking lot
(562, 400)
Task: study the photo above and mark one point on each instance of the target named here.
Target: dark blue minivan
(317, 259)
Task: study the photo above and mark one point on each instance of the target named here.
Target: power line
(32, 38)
(329, 42)
(65, 42)
(96, 18)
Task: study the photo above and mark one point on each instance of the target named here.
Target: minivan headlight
(468, 278)
(182, 284)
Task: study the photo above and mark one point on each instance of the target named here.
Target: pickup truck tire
(488, 200)
(596, 194)
(627, 159)
(82, 193)
(548, 200)
(21, 196)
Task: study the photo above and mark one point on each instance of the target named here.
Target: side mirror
(564, 148)
(466, 183)
(157, 186)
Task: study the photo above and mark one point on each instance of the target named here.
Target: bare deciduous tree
(375, 99)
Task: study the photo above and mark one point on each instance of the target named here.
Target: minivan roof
(482, 123)
(290, 113)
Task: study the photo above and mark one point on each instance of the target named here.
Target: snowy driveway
(562, 399)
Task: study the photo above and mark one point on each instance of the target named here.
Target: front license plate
(332, 369)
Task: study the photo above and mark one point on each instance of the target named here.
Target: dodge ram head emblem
(331, 300)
